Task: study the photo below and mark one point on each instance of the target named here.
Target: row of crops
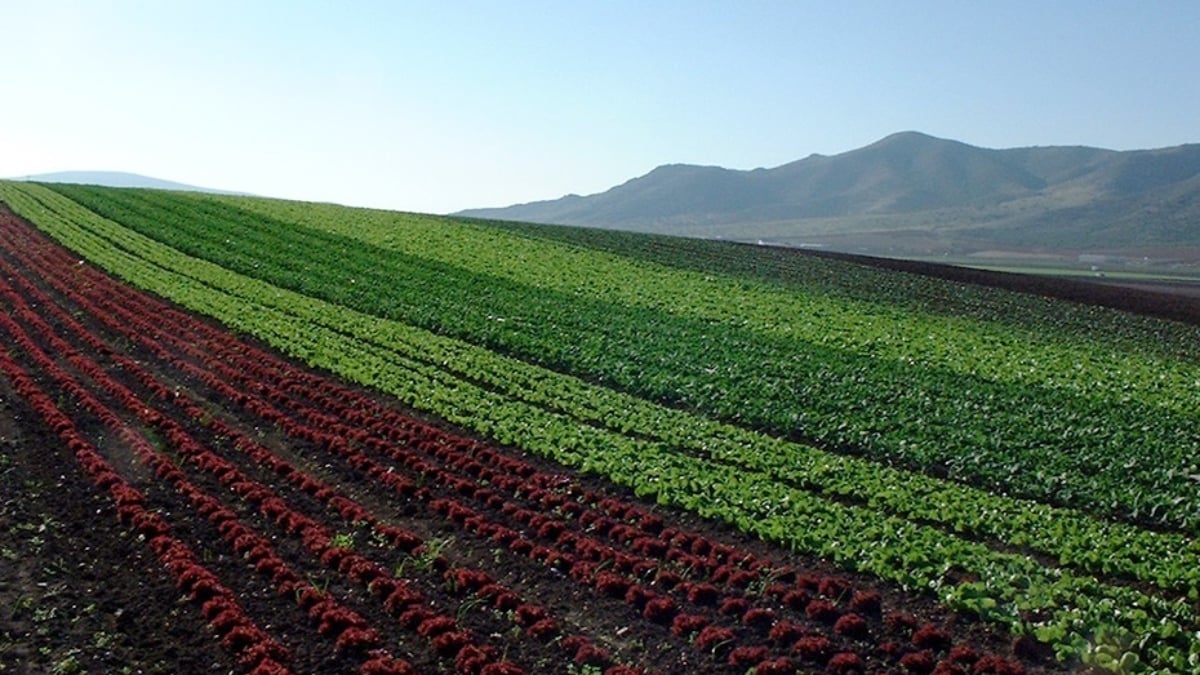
(1042, 478)
(994, 405)
(167, 415)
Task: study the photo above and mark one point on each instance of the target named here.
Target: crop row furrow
(136, 328)
(351, 632)
(606, 578)
(1063, 607)
(858, 375)
(255, 649)
(316, 538)
(1170, 561)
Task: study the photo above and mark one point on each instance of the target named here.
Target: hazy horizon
(439, 108)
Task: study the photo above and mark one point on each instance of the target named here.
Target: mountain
(116, 179)
(911, 193)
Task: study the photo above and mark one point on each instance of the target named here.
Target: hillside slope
(1028, 462)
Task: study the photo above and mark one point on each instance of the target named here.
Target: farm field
(310, 438)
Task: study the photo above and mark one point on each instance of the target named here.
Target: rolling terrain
(350, 440)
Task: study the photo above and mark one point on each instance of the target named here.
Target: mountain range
(116, 179)
(912, 194)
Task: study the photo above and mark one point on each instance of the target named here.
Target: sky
(441, 106)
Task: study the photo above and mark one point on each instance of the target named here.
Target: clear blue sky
(440, 106)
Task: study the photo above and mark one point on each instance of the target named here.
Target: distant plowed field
(271, 437)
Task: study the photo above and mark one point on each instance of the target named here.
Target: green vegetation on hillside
(570, 351)
(1079, 423)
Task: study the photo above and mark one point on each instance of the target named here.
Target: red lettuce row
(253, 648)
(351, 632)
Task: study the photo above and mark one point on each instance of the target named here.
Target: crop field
(276, 437)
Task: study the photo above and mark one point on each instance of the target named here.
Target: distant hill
(912, 194)
(116, 179)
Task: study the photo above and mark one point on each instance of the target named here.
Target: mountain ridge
(119, 179)
(912, 192)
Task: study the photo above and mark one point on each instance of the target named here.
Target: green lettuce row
(881, 322)
(1043, 321)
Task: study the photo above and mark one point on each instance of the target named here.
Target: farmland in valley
(367, 441)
